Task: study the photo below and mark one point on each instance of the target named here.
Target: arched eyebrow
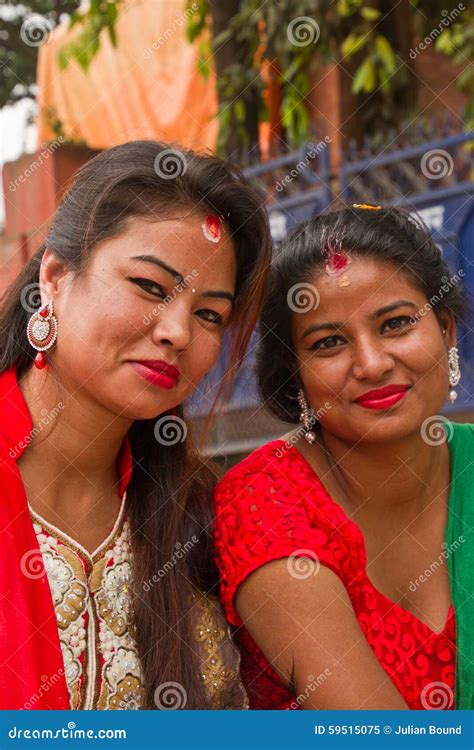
(180, 279)
(392, 306)
(334, 326)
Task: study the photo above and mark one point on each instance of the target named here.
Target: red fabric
(31, 664)
(273, 505)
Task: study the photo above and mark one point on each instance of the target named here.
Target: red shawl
(31, 664)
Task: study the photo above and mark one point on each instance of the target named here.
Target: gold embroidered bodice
(93, 613)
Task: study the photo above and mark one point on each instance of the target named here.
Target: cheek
(422, 353)
(102, 325)
(203, 353)
(326, 376)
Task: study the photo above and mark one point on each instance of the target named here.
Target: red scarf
(31, 664)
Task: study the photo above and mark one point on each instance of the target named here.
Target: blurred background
(321, 102)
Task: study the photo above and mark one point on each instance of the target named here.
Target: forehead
(368, 285)
(180, 242)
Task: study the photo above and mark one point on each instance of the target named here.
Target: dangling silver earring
(454, 372)
(307, 417)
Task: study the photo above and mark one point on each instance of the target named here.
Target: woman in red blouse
(105, 508)
(331, 540)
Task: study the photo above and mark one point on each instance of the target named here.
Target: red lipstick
(158, 372)
(382, 398)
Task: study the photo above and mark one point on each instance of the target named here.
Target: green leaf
(385, 80)
(370, 14)
(239, 109)
(204, 55)
(444, 43)
(63, 57)
(385, 52)
(365, 77)
(353, 43)
(343, 8)
(112, 35)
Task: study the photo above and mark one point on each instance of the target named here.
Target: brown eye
(400, 323)
(210, 316)
(330, 342)
(149, 286)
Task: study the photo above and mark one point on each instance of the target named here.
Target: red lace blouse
(273, 505)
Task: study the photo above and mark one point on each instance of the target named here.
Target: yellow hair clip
(367, 205)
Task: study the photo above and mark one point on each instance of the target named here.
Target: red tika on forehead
(212, 228)
(337, 259)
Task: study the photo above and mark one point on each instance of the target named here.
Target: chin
(389, 426)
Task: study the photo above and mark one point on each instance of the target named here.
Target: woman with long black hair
(106, 555)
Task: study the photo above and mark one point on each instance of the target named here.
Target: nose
(371, 361)
(172, 326)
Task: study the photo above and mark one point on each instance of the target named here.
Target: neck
(75, 441)
(388, 476)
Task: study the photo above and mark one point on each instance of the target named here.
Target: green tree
(24, 26)
(371, 41)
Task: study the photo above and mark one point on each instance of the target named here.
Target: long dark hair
(388, 235)
(169, 495)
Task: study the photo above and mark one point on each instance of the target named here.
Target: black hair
(387, 234)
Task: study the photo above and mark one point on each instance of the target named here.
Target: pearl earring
(307, 417)
(454, 372)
